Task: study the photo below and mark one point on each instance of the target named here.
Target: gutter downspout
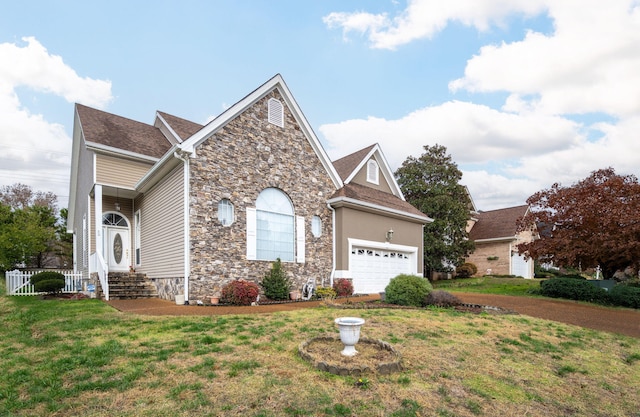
(184, 156)
(333, 245)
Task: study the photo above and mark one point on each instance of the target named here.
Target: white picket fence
(19, 282)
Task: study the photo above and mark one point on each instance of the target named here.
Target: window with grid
(275, 230)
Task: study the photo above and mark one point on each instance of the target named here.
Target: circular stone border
(384, 368)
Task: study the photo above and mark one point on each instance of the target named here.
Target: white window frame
(226, 212)
(373, 172)
(296, 233)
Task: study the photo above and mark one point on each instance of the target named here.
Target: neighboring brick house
(194, 207)
(495, 235)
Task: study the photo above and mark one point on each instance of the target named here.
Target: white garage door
(521, 267)
(372, 269)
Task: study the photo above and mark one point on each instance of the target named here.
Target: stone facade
(239, 161)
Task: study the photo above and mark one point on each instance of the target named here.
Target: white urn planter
(349, 333)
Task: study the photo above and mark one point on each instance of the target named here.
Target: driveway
(616, 320)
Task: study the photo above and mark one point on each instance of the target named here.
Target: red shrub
(240, 292)
(343, 287)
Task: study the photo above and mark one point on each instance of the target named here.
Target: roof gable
(277, 82)
(351, 165)
(497, 224)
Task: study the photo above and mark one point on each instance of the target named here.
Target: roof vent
(276, 112)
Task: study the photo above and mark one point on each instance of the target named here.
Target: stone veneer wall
(237, 163)
(168, 287)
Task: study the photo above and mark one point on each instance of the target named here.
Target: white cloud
(35, 151)
(589, 65)
(424, 18)
(472, 133)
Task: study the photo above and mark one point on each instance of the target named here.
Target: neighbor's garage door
(521, 267)
(372, 269)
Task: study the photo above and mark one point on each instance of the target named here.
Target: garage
(372, 269)
(521, 267)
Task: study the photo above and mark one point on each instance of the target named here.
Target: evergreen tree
(431, 184)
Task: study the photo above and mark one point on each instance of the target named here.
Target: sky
(522, 93)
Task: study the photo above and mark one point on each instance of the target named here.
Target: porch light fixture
(117, 204)
(389, 235)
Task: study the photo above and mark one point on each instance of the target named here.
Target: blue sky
(523, 93)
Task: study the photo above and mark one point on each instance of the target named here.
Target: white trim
(381, 245)
(184, 157)
(379, 208)
(496, 239)
(92, 146)
(169, 128)
(383, 165)
(252, 233)
(300, 240)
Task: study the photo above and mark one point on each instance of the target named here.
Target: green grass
(83, 358)
(490, 285)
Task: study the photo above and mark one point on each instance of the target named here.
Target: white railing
(99, 265)
(19, 282)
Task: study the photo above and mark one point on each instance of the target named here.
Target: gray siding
(162, 228)
(361, 178)
(82, 208)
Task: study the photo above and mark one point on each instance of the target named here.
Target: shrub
(240, 292)
(276, 283)
(442, 299)
(49, 286)
(573, 289)
(46, 275)
(571, 276)
(325, 293)
(625, 296)
(466, 270)
(48, 281)
(343, 287)
(407, 290)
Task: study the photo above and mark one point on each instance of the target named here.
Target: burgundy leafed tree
(594, 222)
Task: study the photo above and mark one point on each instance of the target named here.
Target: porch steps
(130, 285)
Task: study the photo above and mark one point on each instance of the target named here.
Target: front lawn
(83, 358)
(490, 285)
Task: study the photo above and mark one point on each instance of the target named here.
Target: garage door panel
(372, 269)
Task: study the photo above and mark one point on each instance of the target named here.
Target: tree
(593, 222)
(431, 184)
(27, 226)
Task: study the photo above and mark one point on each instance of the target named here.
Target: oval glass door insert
(117, 248)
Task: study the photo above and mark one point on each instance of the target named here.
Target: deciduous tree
(593, 222)
(432, 184)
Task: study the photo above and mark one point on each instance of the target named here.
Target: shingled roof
(496, 224)
(121, 133)
(380, 198)
(183, 127)
(347, 164)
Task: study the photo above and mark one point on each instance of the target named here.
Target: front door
(117, 247)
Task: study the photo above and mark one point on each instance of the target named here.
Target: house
(496, 238)
(193, 207)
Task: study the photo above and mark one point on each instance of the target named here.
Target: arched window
(114, 219)
(225, 212)
(275, 231)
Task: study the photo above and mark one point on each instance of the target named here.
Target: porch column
(97, 196)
